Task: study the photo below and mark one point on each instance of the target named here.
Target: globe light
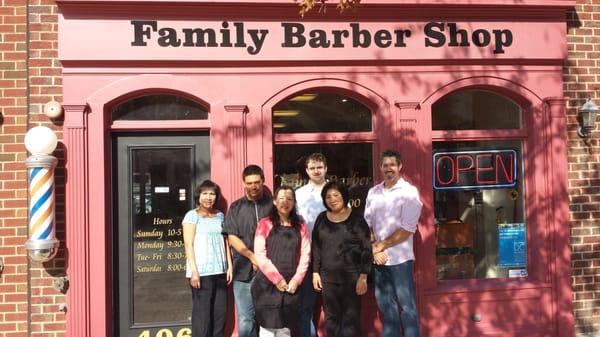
(40, 140)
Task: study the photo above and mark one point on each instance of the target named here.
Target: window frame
(158, 125)
(533, 247)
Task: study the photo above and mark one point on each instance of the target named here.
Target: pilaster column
(556, 137)
(77, 221)
(235, 119)
(407, 140)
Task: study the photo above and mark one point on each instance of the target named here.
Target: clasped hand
(284, 286)
(379, 256)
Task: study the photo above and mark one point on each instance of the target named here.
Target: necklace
(339, 216)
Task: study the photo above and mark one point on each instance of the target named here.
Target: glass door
(155, 177)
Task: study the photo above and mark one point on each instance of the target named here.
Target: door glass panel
(154, 184)
(163, 178)
(475, 110)
(479, 209)
(321, 112)
(350, 163)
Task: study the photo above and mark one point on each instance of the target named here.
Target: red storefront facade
(401, 63)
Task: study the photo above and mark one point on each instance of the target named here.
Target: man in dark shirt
(239, 226)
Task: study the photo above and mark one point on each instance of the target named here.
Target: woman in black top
(342, 258)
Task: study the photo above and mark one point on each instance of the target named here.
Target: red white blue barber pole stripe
(42, 245)
(41, 206)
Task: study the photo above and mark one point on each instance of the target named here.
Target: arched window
(479, 199)
(321, 112)
(159, 107)
(475, 110)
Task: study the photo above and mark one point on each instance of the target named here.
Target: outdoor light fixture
(53, 109)
(587, 113)
(42, 245)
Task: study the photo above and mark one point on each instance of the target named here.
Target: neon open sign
(475, 169)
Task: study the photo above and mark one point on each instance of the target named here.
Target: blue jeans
(308, 298)
(394, 286)
(244, 309)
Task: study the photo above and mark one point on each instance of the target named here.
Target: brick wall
(30, 77)
(582, 81)
(13, 177)
(45, 78)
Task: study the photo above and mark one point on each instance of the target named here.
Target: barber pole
(42, 244)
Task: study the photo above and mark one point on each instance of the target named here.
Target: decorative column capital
(557, 106)
(413, 105)
(241, 108)
(75, 115)
(235, 114)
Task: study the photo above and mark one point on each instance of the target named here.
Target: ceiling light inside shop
(279, 125)
(304, 98)
(285, 113)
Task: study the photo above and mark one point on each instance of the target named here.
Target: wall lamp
(587, 114)
(42, 245)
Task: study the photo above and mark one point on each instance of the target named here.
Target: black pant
(209, 306)
(342, 309)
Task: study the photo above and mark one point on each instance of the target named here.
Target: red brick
(15, 317)
(8, 326)
(17, 334)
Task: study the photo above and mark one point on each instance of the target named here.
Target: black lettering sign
(295, 35)
(458, 37)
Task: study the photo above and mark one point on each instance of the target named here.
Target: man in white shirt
(310, 205)
(392, 211)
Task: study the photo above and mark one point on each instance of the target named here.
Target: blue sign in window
(512, 245)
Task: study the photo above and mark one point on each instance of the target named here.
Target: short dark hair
(252, 170)
(334, 184)
(391, 153)
(207, 185)
(315, 157)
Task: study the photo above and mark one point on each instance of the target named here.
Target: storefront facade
(158, 99)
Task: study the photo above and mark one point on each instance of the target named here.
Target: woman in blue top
(208, 262)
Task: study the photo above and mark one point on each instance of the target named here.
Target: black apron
(275, 309)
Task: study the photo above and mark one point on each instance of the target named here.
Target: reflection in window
(321, 112)
(475, 110)
(350, 163)
(480, 229)
(159, 107)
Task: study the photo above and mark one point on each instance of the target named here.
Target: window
(321, 112)
(159, 107)
(479, 191)
(349, 163)
(335, 125)
(475, 110)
